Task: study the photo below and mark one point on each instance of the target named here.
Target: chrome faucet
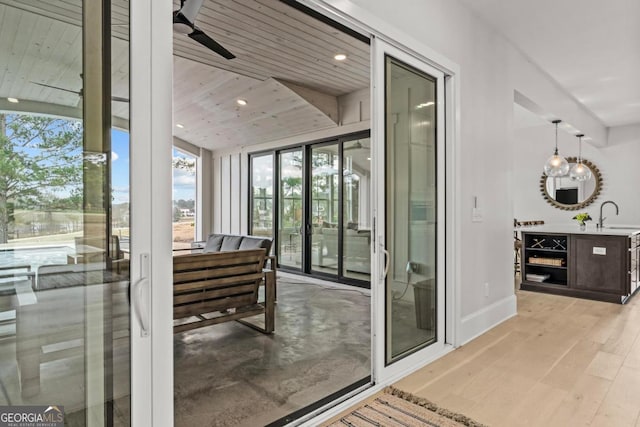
(601, 219)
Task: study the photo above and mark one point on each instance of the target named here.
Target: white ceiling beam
(326, 104)
(575, 119)
(624, 134)
(183, 145)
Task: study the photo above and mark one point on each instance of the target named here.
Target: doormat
(397, 408)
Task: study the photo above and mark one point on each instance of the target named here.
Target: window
(262, 195)
(314, 200)
(184, 199)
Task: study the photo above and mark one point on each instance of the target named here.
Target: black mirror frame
(596, 192)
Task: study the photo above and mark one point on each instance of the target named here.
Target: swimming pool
(34, 256)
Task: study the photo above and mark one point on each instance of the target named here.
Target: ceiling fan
(78, 92)
(183, 23)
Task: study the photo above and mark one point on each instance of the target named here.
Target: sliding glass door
(411, 211)
(410, 207)
(64, 214)
(321, 207)
(325, 213)
(356, 209)
(290, 209)
(262, 195)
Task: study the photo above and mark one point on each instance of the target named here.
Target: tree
(177, 214)
(182, 163)
(38, 155)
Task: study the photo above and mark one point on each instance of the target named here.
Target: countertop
(574, 228)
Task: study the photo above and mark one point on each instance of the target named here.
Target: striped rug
(396, 408)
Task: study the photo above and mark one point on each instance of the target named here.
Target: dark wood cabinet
(594, 266)
(600, 263)
(634, 267)
(545, 256)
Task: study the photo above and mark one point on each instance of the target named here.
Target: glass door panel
(64, 217)
(410, 164)
(184, 200)
(290, 209)
(356, 208)
(325, 221)
(262, 195)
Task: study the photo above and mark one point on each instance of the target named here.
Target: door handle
(387, 260)
(140, 292)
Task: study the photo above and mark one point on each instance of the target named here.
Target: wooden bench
(211, 288)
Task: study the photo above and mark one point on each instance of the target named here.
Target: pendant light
(556, 165)
(579, 171)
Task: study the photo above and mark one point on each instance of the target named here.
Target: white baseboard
(481, 321)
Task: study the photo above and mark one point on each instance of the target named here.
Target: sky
(184, 183)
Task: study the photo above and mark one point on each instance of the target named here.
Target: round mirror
(569, 194)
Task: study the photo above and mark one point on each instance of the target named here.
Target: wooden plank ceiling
(278, 49)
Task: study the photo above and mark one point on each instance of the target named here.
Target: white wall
(618, 163)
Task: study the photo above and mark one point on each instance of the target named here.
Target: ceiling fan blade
(181, 24)
(190, 9)
(58, 88)
(199, 36)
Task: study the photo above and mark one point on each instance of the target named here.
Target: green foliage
(188, 165)
(177, 214)
(185, 204)
(37, 156)
(291, 186)
(582, 217)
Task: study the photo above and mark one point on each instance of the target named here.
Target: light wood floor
(560, 362)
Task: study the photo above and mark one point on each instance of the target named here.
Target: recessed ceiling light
(180, 125)
(340, 57)
(368, 158)
(241, 101)
(14, 100)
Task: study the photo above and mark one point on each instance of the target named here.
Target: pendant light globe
(579, 171)
(556, 165)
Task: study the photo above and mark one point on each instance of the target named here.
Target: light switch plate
(599, 251)
(476, 215)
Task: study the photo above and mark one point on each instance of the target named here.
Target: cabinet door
(599, 263)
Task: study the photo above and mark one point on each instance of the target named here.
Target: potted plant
(582, 218)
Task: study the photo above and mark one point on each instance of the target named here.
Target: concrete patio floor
(231, 375)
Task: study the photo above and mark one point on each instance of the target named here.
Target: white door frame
(151, 82)
(384, 373)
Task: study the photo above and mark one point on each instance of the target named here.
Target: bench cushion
(227, 242)
(256, 243)
(214, 243)
(231, 243)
